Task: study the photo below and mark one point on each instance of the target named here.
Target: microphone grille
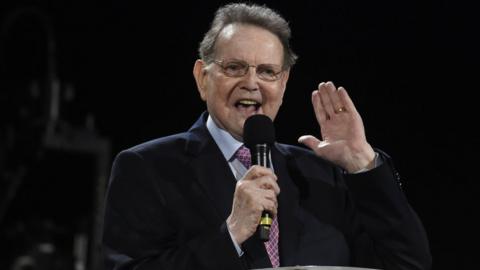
(258, 129)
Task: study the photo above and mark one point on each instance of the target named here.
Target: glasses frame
(221, 64)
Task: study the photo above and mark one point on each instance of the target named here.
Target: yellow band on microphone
(266, 221)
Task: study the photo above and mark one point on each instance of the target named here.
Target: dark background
(124, 70)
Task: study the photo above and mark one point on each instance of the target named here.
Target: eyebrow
(240, 60)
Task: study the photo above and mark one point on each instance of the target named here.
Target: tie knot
(243, 155)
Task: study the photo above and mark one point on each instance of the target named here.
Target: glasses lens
(268, 72)
(235, 68)
(265, 72)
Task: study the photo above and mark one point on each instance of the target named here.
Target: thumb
(310, 141)
(313, 143)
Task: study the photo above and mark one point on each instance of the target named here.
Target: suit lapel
(211, 169)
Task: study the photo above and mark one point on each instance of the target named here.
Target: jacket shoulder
(168, 147)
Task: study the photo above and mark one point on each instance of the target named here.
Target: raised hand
(343, 135)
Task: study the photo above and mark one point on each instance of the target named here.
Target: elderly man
(189, 201)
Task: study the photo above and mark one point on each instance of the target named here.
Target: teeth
(247, 102)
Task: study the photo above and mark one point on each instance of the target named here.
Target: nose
(250, 80)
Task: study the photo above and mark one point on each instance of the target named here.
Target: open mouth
(248, 103)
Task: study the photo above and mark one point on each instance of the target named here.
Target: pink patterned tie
(243, 155)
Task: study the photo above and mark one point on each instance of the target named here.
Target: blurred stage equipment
(52, 173)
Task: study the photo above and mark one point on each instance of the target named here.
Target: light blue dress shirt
(228, 145)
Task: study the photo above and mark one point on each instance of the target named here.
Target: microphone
(259, 136)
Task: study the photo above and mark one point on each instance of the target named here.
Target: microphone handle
(261, 157)
(263, 229)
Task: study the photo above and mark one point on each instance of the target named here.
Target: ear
(199, 73)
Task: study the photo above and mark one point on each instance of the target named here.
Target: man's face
(231, 100)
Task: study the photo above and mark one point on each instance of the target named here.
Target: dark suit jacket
(168, 200)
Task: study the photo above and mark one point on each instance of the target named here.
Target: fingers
(328, 101)
(320, 112)
(257, 171)
(263, 178)
(324, 90)
(261, 185)
(329, 97)
(269, 202)
(346, 100)
(256, 192)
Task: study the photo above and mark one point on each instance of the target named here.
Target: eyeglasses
(238, 68)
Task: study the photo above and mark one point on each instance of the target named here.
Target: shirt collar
(227, 144)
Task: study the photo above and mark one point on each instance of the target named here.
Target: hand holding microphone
(259, 136)
(256, 194)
